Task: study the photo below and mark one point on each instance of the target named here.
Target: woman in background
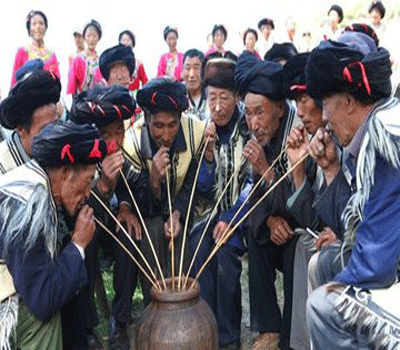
(250, 38)
(219, 35)
(171, 63)
(84, 71)
(36, 24)
(139, 76)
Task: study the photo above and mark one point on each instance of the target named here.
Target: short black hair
(94, 24)
(219, 27)
(29, 17)
(338, 10)
(249, 30)
(128, 33)
(378, 6)
(193, 53)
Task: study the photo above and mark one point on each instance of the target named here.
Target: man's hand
(110, 172)
(325, 238)
(297, 143)
(279, 229)
(255, 154)
(161, 164)
(221, 229)
(209, 134)
(176, 225)
(125, 216)
(322, 149)
(84, 227)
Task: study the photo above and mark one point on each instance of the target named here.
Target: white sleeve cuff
(81, 250)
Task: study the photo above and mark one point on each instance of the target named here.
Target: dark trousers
(265, 315)
(220, 283)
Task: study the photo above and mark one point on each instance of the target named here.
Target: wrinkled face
(191, 73)
(250, 41)
(266, 31)
(37, 27)
(164, 127)
(114, 131)
(375, 17)
(222, 104)
(309, 113)
(219, 38)
(334, 18)
(263, 117)
(91, 38)
(119, 75)
(340, 122)
(40, 117)
(126, 40)
(79, 42)
(75, 187)
(172, 40)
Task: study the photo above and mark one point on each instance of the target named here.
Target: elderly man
(164, 146)
(271, 242)
(227, 134)
(192, 77)
(45, 267)
(353, 81)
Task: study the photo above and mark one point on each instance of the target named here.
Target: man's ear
(350, 103)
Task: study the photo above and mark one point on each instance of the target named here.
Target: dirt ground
(247, 337)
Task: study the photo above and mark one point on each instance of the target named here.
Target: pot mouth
(175, 295)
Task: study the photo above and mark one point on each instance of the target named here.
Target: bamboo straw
(154, 283)
(229, 232)
(172, 233)
(145, 229)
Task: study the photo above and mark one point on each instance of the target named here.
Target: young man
(45, 271)
(271, 242)
(227, 133)
(353, 81)
(165, 141)
(192, 77)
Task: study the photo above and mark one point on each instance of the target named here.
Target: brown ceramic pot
(177, 321)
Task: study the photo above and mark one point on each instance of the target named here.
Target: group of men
(343, 186)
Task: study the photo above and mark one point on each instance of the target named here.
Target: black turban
(258, 77)
(103, 106)
(266, 21)
(36, 89)
(29, 66)
(68, 143)
(169, 29)
(294, 76)
(338, 10)
(363, 28)
(163, 94)
(279, 52)
(116, 54)
(379, 6)
(334, 67)
(219, 72)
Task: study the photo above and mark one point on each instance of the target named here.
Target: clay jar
(177, 321)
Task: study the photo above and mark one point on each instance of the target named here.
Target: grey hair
(33, 219)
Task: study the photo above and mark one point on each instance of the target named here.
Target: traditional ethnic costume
(349, 313)
(220, 281)
(264, 78)
(170, 65)
(164, 95)
(44, 275)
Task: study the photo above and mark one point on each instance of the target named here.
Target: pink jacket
(162, 66)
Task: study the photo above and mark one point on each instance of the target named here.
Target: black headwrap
(35, 90)
(266, 21)
(220, 72)
(294, 76)
(169, 29)
(335, 67)
(116, 54)
(68, 143)
(96, 25)
(363, 28)
(163, 94)
(379, 6)
(103, 106)
(279, 52)
(29, 66)
(338, 10)
(220, 27)
(258, 77)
